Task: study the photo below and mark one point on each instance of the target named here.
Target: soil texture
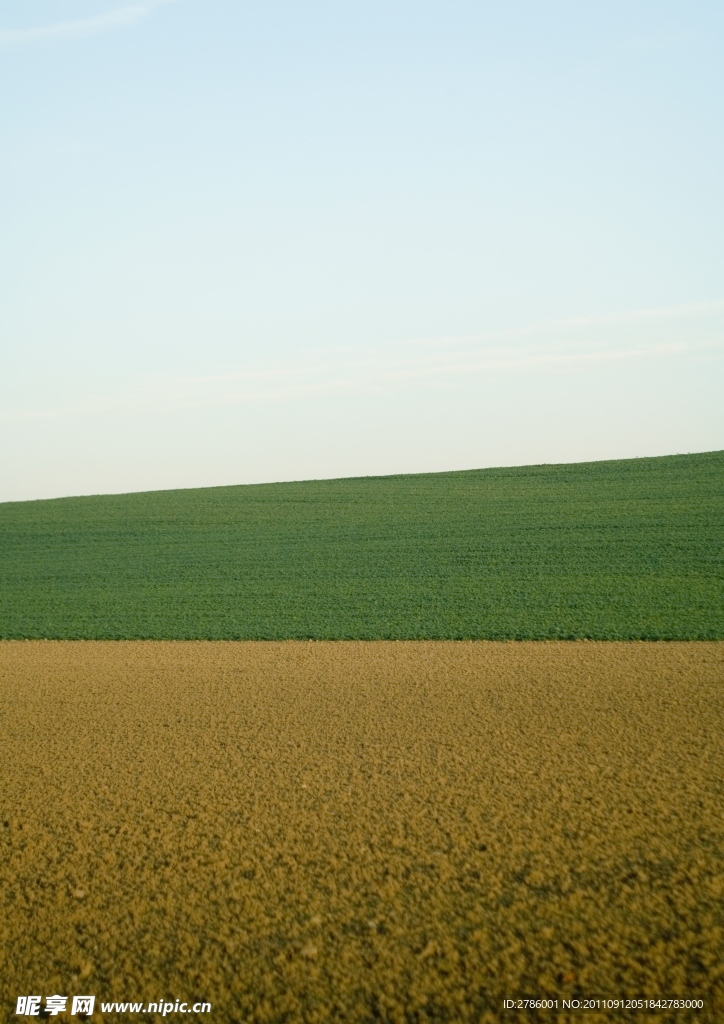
(401, 832)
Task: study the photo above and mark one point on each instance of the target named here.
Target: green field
(606, 550)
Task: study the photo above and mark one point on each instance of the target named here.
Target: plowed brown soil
(361, 832)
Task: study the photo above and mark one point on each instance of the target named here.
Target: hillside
(607, 550)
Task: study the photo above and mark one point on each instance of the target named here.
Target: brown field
(359, 832)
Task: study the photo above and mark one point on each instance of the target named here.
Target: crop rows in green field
(606, 550)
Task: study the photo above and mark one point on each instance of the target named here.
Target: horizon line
(367, 476)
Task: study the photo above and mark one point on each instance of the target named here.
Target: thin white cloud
(369, 371)
(118, 17)
(554, 346)
(372, 374)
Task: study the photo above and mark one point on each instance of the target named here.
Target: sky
(252, 242)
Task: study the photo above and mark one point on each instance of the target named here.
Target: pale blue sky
(246, 242)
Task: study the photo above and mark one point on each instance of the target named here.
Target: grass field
(363, 832)
(607, 550)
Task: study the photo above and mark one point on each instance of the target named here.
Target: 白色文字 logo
(29, 1006)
